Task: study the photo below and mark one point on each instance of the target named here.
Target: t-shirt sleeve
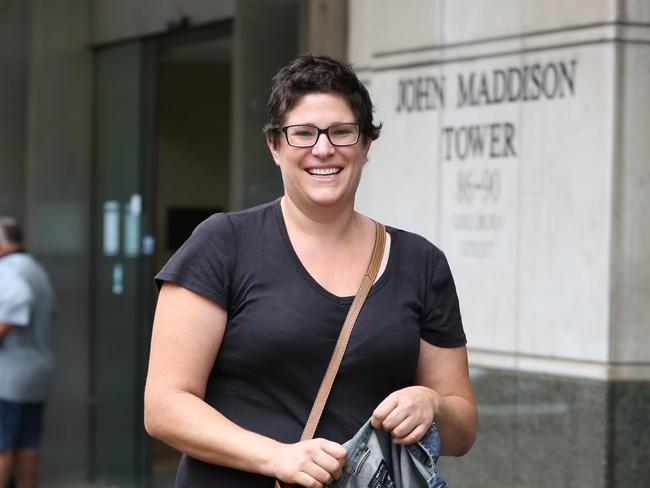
(441, 321)
(204, 263)
(15, 301)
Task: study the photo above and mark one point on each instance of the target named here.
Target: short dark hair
(10, 231)
(318, 74)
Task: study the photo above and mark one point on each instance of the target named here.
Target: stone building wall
(515, 138)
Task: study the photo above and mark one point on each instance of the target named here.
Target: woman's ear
(273, 148)
(366, 148)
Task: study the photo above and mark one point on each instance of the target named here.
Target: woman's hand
(407, 413)
(444, 394)
(312, 463)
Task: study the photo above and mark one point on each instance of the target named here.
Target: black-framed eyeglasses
(343, 134)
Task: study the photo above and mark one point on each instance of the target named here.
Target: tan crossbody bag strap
(344, 336)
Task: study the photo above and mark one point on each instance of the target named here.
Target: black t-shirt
(282, 328)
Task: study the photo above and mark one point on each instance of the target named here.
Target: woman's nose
(323, 146)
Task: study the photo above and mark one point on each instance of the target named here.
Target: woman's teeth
(323, 171)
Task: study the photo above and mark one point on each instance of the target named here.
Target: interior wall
(193, 141)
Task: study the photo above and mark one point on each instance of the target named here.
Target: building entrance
(162, 164)
(192, 153)
(121, 296)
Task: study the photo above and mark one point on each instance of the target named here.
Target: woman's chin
(328, 199)
(321, 197)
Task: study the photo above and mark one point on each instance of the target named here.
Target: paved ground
(157, 482)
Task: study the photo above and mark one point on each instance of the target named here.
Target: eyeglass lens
(307, 135)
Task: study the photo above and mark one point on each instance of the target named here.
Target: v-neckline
(312, 281)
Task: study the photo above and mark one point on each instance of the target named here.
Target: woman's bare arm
(187, 334)
(443, 393)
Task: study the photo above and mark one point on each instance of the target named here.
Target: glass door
(122, 261)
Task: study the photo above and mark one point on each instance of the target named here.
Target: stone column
(324, 28)
(254, 177)
(14, 49)
(516, 139)
(57, 182)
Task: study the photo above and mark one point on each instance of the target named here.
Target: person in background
(27, 307)
(251, 306)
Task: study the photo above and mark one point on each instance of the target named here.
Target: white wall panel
(544, 216)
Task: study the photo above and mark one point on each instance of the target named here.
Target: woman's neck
(323, 222)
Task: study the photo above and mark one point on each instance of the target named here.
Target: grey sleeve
(15, 301)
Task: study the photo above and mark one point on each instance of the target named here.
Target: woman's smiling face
(323, 174)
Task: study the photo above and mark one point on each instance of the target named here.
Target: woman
(251, 306)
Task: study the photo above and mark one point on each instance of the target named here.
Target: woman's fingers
(335, 450)
(407, 413)
(383, 410)
(306, 480)
(398, 415)
(312, 463)
(329, 466)
(318, 474)
(406, 435)
(405, 427)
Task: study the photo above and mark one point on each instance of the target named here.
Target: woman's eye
(302, 133)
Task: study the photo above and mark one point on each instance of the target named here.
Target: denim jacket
(374, 461)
